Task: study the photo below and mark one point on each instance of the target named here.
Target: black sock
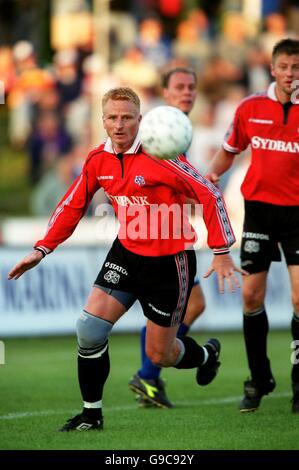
(92, 413)
(295, 335)
(92, 375)
(193, 356)
(255, 329)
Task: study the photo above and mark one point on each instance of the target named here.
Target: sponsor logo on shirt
(106, 177)
(129, 200)
(276, 145)
(260, 121)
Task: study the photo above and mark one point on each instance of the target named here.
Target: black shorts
(267, 228)
(161, 284)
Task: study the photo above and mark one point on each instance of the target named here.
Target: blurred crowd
(51, 107)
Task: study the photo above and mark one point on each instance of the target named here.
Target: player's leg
(147, 384)
(257, 252)
(103, 308)
(294, 277)
(195, 307)
(93, 329)
(164, 304)
(289, 244)
(148, 376)
(166, 350)
(255, 330)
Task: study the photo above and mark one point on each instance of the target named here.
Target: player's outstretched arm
(27, 263)
(226, 270)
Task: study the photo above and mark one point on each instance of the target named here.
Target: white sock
(95, 404)
(206, 355)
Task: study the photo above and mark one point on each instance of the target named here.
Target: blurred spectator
(270, 6)
(154, 47)
(135, 71)
(190, 44)
(48, 142)
(51, 187)
(291, 11)
(275, 29)
(233, 41)
(206, 140)
(212, 10)
(68, 76)
(257, 72)
(123, 30)
(216, 76)
(30, 84)
(7, 69)
(56, 180)
(171, 9)
(225, 109)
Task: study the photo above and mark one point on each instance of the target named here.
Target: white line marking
(213, 401)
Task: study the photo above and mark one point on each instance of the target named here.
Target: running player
(269, 123)
(139, 186)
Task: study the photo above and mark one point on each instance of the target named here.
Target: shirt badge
(139, 180)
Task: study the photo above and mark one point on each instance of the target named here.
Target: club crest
(139, 180)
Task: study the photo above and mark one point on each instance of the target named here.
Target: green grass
(39, 392)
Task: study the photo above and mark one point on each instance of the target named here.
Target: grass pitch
(39, 391)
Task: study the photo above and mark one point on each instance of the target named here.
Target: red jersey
(148, 197)
(272, 129)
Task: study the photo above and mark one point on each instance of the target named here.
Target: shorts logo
(155, 309)
(251, 246)
(246, 262)
(139, 180)
(257, 236)
(115, 267)
(112, 276)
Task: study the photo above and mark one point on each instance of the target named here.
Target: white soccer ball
(165, 132)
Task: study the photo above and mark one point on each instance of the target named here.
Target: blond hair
(121, 93)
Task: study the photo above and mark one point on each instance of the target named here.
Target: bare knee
(295, 301)
(253, 298)
(163, 358)
(157, 357)
(196, 307)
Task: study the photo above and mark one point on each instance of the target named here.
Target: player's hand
(27, 263)
(213, 177)
(226, 270)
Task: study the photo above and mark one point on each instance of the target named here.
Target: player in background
(136, 264)
(179, 90)
(269, 122)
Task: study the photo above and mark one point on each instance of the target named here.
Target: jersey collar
(133, 149)
(271, 92)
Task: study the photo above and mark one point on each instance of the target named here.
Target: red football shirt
(273, 133)
(148, 197)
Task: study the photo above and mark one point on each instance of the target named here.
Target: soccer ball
(165, 132)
